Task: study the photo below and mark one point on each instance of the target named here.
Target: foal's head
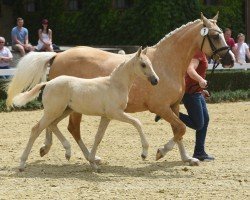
(143, 67)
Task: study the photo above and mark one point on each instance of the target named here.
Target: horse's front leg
(179, 130)
(124, 117)
(98, 138)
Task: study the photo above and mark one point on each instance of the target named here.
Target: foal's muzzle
(153, 80)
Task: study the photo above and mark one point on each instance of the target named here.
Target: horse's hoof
(21, 169)
(194, 162)
(94, 166)
(159, 155)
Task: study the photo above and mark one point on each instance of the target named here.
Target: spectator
(242, 49)
(20, 38)
(229, 40)
(194, 102)
(45, 37)
(5, 56)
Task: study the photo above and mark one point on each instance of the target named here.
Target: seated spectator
(45, 37)
(229, 40)
(20, 38)
(242, 49)
(5, 56)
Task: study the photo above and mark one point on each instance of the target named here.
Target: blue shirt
(20, 34)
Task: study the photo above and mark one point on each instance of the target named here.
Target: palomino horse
(103, 96)
(170, 58)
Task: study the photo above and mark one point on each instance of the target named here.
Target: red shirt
(230, 42)
(193, 86)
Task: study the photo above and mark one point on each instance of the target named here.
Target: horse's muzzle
(153, 80)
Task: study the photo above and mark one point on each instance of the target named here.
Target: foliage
(228, 80)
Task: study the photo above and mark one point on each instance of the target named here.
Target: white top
(45, 38)
(241, 52)
(5, 52)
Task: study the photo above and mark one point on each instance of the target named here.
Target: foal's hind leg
(47, 143)
(48, 139)
(35, 132)
(124, 117)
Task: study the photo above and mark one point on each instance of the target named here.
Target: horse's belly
(87, 109)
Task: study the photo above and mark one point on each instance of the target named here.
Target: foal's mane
(176, 31)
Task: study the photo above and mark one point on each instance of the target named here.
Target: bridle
(215, 56)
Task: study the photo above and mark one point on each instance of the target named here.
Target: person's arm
(50, 35)
(248, 53)
(26, 40)
(191, 70)
(14, 38)
(7, 58)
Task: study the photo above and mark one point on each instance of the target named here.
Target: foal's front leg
(124, 117)
(98, 138)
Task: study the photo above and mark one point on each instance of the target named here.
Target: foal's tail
(25, 97)
(30, 71)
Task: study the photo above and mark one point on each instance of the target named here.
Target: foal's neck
(124, 75)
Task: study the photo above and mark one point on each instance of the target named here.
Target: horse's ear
(204, 19)
(216, 16)
(144, 51)
(139, 52)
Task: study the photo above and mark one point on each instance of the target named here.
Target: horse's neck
(180, 46)
(124, 75)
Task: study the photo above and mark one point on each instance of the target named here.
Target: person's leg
(199, 150)
(193, 105)
(19, 48)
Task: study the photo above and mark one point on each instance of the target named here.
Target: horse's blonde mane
(175, 31)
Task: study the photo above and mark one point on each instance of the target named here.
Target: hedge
(98, 23)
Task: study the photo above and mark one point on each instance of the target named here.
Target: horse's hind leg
(124, 117)
(47, 143)
(74, 129)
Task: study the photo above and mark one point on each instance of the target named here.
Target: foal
(104, 96)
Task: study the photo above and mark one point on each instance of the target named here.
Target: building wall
(6, 21)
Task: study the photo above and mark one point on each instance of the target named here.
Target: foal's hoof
(143, 156)
(42, 151)
(21, 169)
(159, 155)
(67, 156)
(98, 160)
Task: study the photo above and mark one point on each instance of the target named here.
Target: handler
(194, 102)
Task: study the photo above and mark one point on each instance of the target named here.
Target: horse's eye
(216, 37)
(143, 65)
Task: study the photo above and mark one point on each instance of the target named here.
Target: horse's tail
(31, 70)
(25, 97)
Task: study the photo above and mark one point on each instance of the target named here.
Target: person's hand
(203, 83)
(205, 93)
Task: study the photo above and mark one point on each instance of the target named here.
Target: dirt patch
(123, 174)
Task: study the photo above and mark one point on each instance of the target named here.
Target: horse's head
(144, 67)
(214, 43)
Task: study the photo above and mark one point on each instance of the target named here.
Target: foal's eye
(143, 65)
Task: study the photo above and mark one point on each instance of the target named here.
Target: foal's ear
(216, 16)
(206, 22)
(139, 52)
(144, 51)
